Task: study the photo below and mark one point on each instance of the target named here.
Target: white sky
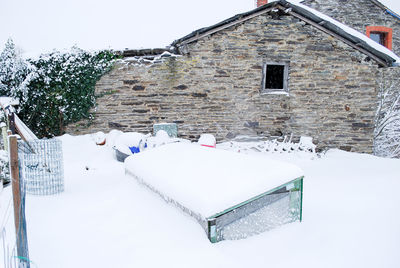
(38, 26)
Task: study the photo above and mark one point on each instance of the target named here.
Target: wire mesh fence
(14, 252)
(8, 252)
(41, 166)
(8, 255)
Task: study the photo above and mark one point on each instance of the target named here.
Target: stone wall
(216, 88)
(359, 14)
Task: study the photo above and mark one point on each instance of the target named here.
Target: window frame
(285, 89)
(386, 31)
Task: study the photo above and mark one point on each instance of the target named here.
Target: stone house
(366, 16)
(274, 71)
(381, 24)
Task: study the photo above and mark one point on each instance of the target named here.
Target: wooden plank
(17, 130)
(19, 212)
(15, 178)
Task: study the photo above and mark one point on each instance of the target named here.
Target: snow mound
(99, 138)
(112, 137)
(130, 139)
(162, 138)
(207, 140)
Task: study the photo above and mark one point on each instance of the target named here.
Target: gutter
(386, 9)
(390, 12)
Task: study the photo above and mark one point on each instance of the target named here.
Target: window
(381, 35)
(378, 37)
(275, 76)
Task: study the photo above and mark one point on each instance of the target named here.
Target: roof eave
(195, 35)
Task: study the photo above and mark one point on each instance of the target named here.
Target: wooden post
(19, 205)
(11, 122)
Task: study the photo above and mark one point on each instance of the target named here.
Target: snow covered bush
(15, 72)
(62, 91)
(387, 123)
(54, 89)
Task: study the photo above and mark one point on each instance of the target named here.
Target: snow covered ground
(106, 219)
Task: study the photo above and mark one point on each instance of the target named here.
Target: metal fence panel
(41, 166)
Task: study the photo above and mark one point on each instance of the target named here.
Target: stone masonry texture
(216, 88)
(359, 14)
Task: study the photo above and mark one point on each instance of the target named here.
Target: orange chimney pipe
(261, 2)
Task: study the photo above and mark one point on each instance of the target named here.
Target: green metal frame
(212, 230)
(170, 128)
(301, 199)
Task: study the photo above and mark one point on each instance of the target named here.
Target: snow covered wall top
(208, 180)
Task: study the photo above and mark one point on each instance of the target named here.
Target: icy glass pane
(264, 219)
(261, 214)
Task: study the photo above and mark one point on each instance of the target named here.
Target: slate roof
(303, 14)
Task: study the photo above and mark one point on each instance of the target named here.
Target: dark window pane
(378, 37)
(274, 77)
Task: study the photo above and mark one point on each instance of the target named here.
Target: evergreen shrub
(57, 89)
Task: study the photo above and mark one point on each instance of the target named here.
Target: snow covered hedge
(15, 72)
(54, 89)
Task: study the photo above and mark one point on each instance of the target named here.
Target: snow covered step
(219, 187)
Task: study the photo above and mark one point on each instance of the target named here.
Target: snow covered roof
(351, 37)
(142, 52)
(6, 101)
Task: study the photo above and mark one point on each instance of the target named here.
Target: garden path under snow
(106, 219)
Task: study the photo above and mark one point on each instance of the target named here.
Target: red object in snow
(207, 140)
(101, 142)
(211, 146)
